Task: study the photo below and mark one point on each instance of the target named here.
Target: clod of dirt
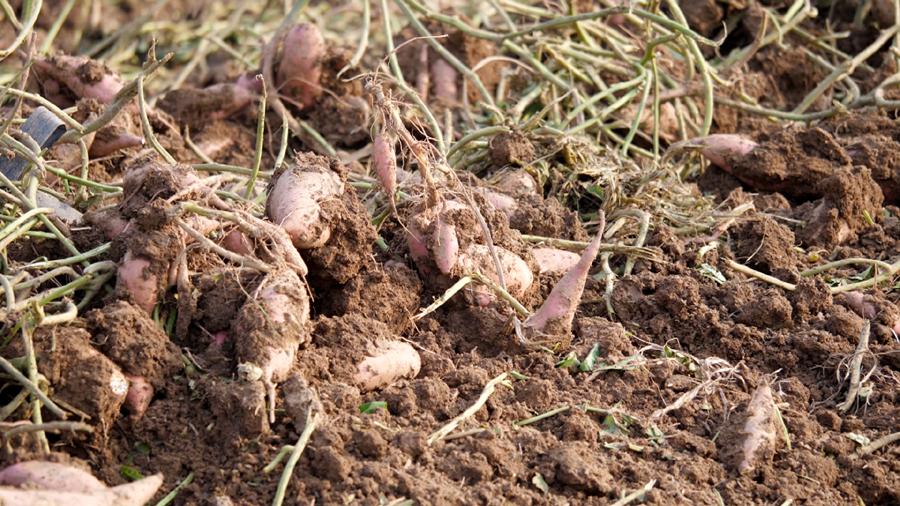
(768, 310)
(81, 376)
(511, 148)
(134, 342)
(574, 466)
(765, 245)
(611, 337)
(239, 407)
(299, 400)
(365, 294)
(704, 16)
(851, 195)
(341, 120)
(347, 251)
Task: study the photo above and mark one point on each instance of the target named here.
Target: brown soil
(687, 343)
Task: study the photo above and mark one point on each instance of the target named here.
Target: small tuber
(300, 68)
(388, 361)
(555, 316)
(294, 202)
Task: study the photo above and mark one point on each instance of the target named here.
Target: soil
(678, 351)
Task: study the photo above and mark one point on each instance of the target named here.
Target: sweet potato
(388, 361)
(105, 145)
(49, 476)
(140, 393)
(555, 316)
(135, 279)
(294, 203)
(516, 273)
(300, 67)
(446, 245)
(83, 77)
(723, 149)
(270, 328)
(237, 242)
(759, 429)
(501, 202)
(516, 182)
(554, 261)
(73, 487)
(443, 79)
(384, 162)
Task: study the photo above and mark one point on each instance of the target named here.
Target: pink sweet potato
(501, 202)
(73, 486)
(516, 182)
(554, 262)
(555, 316)
(270, 328)
(104, 145)
(446, 245)
(384, 162)
(237, 242)
(759, 429)
(135, 279)
(723, 149)
(294, 204)
(516, 273)
(83, 77)
(300, 68)
(49, 476)
(443, 79)
(388, 361)
(140, 393)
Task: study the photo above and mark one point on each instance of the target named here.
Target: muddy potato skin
(294, 204)
(272, 325)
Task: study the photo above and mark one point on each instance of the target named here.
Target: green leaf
(588, 363)
(539, 482)
(130, 473)
(517, 375)
(570, 360)
(371, 407)
(142, 448)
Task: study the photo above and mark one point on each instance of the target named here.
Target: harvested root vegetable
(270, 327)
(49, 476)
(139, 395)
(81, 76)
(516, 273)
(300, 67)
(759, 429)
(723, 149)
(388, 361)
(200, 107)
(554, 262)
(237, 242)
(857, 301)
(518, 181)
(443, 79)
(38, 483)
(384, 162)
(501, 202)
(295, 199)
(446, 246)
(555, 316)
(137, 281)
(105, 144)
